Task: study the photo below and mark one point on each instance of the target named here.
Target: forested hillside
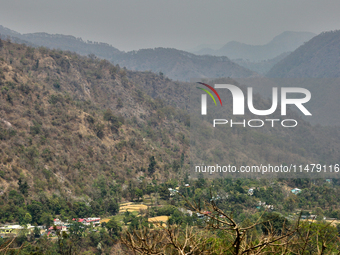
(75, 119)
(77, 128)
(79, 136)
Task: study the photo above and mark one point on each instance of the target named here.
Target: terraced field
(131, 207)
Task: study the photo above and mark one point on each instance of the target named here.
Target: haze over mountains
(318, 58)
(63, 42)
(260, 67)
(181, 65)
(316, 67)
(175, 64)
(285, 42)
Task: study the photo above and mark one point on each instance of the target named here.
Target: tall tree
(152, 165)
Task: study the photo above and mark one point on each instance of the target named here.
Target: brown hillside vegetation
(66, 120)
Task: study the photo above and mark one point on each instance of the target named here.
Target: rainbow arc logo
(209, 93)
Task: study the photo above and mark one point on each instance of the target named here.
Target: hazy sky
(182, 24)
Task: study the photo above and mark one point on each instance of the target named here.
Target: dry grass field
(131, 207)
(104, 220)
(159, 219)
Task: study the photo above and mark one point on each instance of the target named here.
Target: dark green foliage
(149, 189)
(47, 154)
(54, 99)
(36, 128)
(166, 210)
(23, 187)
(164, 192)
(275, 220)
(16, 197)
(36, 232)
(46, 219)
(113, 207)
(139, 193)
(77, 230)
(115, 122)
(36, 211)
(56, 84)
(99, 129)
(152, 165)
(113, 228)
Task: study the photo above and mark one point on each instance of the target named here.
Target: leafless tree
(298, 238)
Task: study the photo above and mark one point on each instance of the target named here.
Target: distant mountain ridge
(175, 64)
(64, 42)
(318, 58)
(181, 65)
(261, 67)
(316, 67)
(285, 42)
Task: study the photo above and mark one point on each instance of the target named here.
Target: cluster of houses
(14, 230)
(63, 226)
(85, 221)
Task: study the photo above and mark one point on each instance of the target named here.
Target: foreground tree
(223, 235)
(167, 241)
